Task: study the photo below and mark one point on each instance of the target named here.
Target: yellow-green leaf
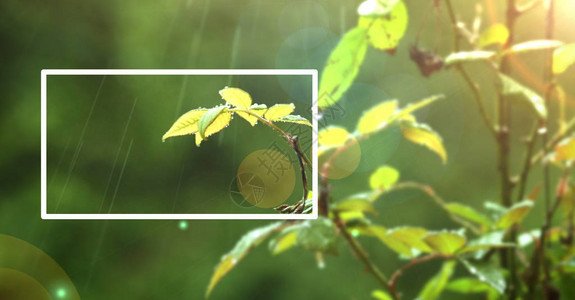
(565, 150)
(411, 237)
(342, 67)
(495, 34)
(468, 213)
(213, 121)
(563, 57)
(376, 8)
(405, 113)
(445, 242)
(332, 136)
(186, 124)
(279, 111)
(533, 45)
(242, 247)
(424, 135)
(383, 178)
(283, 242)
(295, 119)
(514, 214)
(510, 87)
(460, 57)
(258, 109)
(355, 204)
(381, 295)
(236, 97)
(376, 117)
(384, 33)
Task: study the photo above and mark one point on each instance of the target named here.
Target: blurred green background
(162, 259)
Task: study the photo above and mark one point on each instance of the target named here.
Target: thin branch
(412, 263)
(360, 252)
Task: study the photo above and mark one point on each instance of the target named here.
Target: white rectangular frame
(123, 216)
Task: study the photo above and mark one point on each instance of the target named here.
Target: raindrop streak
(117, 155)
(80, 143)
(178, 188)
(256, 19)
(234, 54)
(59, 163)
(121, 175)
(197, 40)
(181, 97)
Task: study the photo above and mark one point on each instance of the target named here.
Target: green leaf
(445, 242)
(376, 8)
(186, 124)
(243, 246)
(510, 87)
(461, 57)
(423, 134)
(236, 97)
(435, 286)
(381, 295)
(383, 178)
(283, 242)
(411, 237)
(482, 244)
(405, 113)
(355, 204)
(563, 57)
(332, 136)
(209, 118)
(342, 67)
(468, 213)
(295, 119)
(396, 245)
(495, 34)
(533, 45)
(514, 214)
(565, 150)
(318, 235)
(468, 285)
(487, 274)
(384, 33)
(376, 117)
(258, 109)
(279, 111)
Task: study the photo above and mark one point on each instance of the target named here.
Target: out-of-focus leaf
(283, 242)
(243, 246)
(423, 134)
(514, 214)
(567, 286)
(445, 242)
(405, 113)
(563, 57)
(483, 243)
(355, 204)
(186, 124)
(411, 237)
(468, 213)
(318, 235)
(279, 111)
(435, 286)
(533, 45)
(495, 34)
(376, 117)
(213, 121)
(565, 150)
(468, 285)
(381, 295)
(258, 109)
(332, 136)
(461, 57)
(383, 178)
(236, 97)
(384, 33)
(567, 202)
(295, 119)
(342, 67)
(510, 87)
(396, 245)
(488, 274)
(376, 8)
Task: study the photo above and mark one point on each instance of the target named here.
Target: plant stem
(294, 142)
(362, 254)
(412, 263)
(472, 85)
